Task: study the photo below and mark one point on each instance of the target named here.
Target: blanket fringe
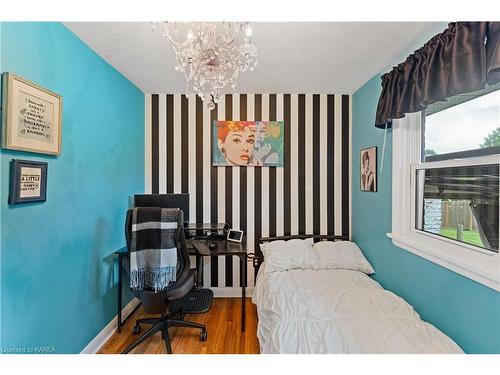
(156, 279)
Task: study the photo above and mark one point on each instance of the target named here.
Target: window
(463, 126)
(459, 203)
(446, 185)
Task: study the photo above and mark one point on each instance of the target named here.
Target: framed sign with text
(28, 181)
(31, 117)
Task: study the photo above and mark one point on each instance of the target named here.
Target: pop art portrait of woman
(247, 143)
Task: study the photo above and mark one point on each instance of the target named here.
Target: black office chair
(160, 302)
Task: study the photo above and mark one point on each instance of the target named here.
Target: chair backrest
(155, 302)
(180, 200)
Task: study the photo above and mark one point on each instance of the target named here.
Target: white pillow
(286, 255)
(280, 244)
(344, 255)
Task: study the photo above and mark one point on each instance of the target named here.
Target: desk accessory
(235, 235)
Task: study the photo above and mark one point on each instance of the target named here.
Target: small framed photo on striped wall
(247, 143)
(368, 158)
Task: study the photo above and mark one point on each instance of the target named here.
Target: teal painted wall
(466, 311)
(1, 182)
(58, 272)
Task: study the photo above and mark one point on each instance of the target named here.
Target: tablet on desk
(235, 235)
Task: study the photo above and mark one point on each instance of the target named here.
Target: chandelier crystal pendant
(211, 55)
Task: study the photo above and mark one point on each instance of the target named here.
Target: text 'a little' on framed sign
(31, 117)
(28, 181)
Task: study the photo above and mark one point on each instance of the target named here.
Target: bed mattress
(339, 311)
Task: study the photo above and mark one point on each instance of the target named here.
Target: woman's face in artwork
(238, 146)
(260, 133)
(366, 165)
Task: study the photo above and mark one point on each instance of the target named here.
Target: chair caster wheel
(203, 336)
(136, 330)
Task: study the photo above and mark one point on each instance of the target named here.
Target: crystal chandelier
(211, 55)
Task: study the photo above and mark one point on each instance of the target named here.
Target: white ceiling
(305, 57)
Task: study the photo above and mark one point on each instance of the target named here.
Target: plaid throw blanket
(153, 248)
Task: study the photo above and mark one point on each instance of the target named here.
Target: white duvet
(339, 311)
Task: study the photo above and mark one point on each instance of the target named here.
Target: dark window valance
(463, 58)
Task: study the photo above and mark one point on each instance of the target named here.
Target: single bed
(308, 310)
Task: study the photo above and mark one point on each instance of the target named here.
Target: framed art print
(368, 169)
(32, 117)
(247, 143)
(28, 181)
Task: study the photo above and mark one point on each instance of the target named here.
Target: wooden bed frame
(259, 257)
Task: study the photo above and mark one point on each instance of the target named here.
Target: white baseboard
(103, 336)
(232, 292)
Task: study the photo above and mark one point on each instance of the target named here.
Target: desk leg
(120, 276)
(199, 271)
(243, 277)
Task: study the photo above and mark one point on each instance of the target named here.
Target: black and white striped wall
(310, 194)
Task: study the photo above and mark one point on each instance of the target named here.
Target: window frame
(478, 264)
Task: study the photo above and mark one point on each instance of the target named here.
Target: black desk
(207, 226)
(199, 248)
(224, 247)
(123, 263)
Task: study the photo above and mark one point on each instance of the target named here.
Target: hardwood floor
(223, 323)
